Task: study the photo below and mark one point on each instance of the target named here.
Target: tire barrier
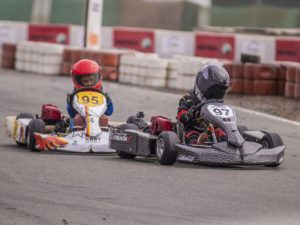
(143, 69)
(297, 84)
(188, 67)
(290, 81)
(262, 78)
(108, 59)
(8, 55)
(38, 57)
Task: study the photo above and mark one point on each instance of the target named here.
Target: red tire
(264, 87)
(249, 71)
(281, 87)
(265, 72)
(281, 72)
(237, 70)
(8, 63)
(8, 54)
(228, 67)
(110, 59)
(9, 47)
(66, 68)
(297, 91)
(248, 87)
(67, 54)
(110, 72)
(236, 86)
(291, 73)
(76, 55)
(297, 75)
(289, 89)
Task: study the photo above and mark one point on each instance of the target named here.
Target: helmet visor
(216, 92)
(90, 79)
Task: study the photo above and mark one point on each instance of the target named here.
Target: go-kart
(166, 140)
(52, 131)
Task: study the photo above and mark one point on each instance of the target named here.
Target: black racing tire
(165, 149)
(23, 116)
(271, 140)
(36, 125)
(242, 129)
(121, 154)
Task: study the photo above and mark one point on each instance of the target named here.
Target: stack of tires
(256, 78)
(109, 60)
(172, 73)
(8, 56)
(292, 85)
(188, 68)
(144, 69)
(38, 57)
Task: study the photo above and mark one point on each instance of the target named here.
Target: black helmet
(212, 82)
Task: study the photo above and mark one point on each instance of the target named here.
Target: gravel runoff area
(274, 105)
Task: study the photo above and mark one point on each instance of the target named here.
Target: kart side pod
(50, 114)
(159, 124)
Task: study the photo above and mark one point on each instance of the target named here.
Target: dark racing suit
(186, 116)
(193, 125)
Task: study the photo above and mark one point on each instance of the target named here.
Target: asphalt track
(90, 189)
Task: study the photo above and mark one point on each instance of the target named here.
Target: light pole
(93, 24)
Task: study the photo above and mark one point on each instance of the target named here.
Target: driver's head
(212, 82)
(86, 73)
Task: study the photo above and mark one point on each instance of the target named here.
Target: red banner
(140, 40)
(49, 33)
(215, 46)
(288, 50)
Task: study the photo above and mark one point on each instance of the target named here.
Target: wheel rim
(265, 144)
(159, 148)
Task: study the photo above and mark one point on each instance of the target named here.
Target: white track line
(267, 115)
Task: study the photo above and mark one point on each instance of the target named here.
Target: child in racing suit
(86, 73)
(212, 82)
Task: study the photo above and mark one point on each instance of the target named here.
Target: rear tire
(166, 151)
(36, 125)
(23, 116)
(126, 126)
(271, 140)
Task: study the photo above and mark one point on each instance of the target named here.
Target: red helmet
(86, 72)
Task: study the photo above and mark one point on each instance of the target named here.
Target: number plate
(223, 111)
(90, 99)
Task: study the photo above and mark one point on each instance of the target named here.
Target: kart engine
(159, 124)
(50, 114)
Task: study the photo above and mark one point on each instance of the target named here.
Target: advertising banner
(215, 46)
(257, 45)
(288, 50)
(140, 40)
(49, 33)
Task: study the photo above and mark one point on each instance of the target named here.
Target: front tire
(166, 151)
(271, 140)
(36, 125)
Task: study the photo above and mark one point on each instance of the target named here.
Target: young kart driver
(212, 82)
(86, 73)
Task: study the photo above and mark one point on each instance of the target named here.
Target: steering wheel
(71, 96)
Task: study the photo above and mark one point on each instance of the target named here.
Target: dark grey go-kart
(165, 140)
